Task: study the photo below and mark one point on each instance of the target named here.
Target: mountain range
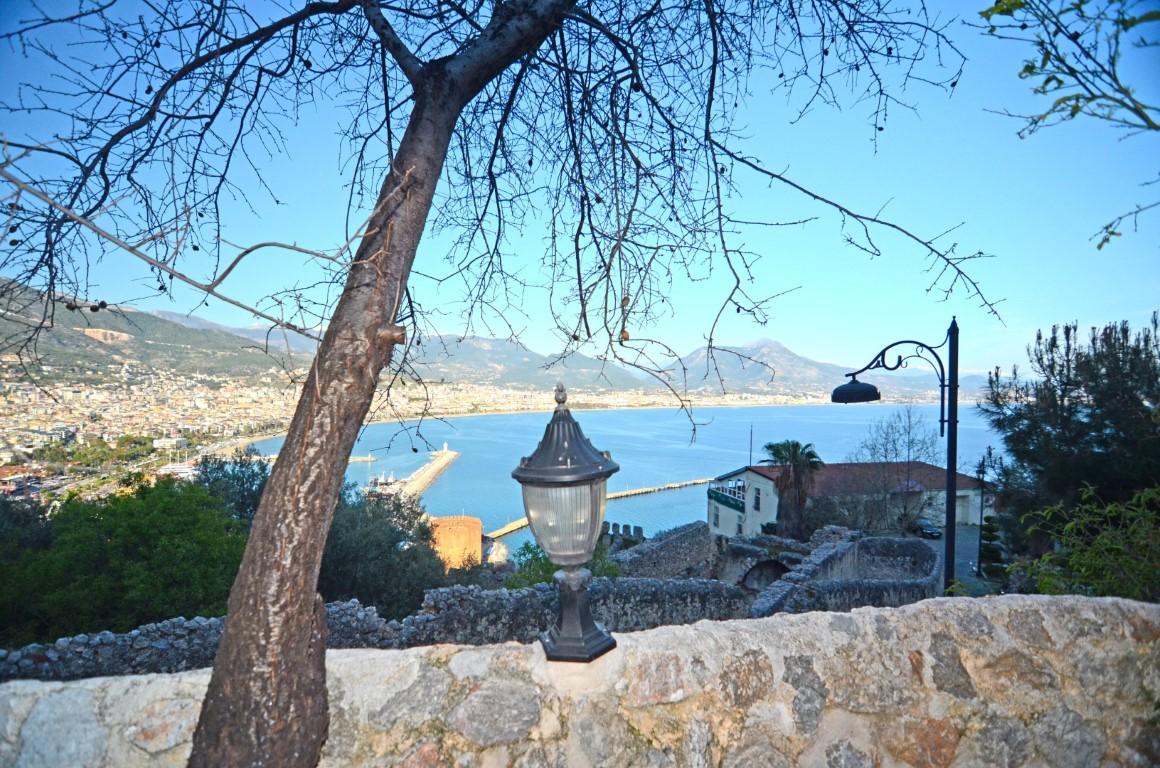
(79, 340)
(167, 341)
(771, 368)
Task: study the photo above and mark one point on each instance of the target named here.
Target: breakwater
(422, 478)
(521, 523)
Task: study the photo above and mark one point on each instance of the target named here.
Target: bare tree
(888, 494)
(1078, 49)
(617, 121)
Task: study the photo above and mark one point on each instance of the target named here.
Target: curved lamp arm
(920, 351)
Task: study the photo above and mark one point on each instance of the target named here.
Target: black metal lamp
(854, 391)
(981, 476)
(564, 483)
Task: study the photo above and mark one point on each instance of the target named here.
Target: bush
(237, 481)
(161, 551)
(379, 551)
(23, 526)
(1105, 550)
(534, 567)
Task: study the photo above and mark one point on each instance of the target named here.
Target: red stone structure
(458, 539)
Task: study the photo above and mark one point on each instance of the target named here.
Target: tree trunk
(267, 704)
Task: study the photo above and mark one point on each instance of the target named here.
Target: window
(756, 499)
(716, 516)
(740, 525)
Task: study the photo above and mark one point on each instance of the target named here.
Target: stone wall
(851, 572)
(1009, 681)
(682, 552)
(842, 572)
(465, 615)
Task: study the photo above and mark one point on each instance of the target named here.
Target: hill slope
(506, 363)
(81, 339)
(793, 375)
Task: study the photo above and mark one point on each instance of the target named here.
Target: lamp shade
(564, 484)
(854, 391)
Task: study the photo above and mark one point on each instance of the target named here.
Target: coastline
(587, 408)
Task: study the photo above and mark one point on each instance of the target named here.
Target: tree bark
(267, 703)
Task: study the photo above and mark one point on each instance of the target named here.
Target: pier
(422, 478)
(521, 523)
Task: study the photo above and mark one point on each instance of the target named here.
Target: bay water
(653, 446)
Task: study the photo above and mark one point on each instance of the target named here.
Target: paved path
(966, 552)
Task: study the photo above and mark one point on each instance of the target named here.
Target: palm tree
(799, 464)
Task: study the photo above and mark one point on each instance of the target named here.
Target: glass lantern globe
(564, 484)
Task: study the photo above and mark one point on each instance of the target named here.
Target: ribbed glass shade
(566, 519)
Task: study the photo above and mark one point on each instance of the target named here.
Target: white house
(741, 501)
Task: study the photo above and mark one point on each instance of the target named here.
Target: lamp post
(564, 484)
(981, 476)
(855, 391)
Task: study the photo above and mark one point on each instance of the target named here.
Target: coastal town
(181, 415)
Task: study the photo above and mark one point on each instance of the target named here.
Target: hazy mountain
(506, 363)
(276, 340)
(748, 369)
(82, 339)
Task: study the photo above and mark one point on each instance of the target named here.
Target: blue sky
(1033, 204)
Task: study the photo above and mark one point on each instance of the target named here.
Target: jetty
(422, 478)
(522, 522)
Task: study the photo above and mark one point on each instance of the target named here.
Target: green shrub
(1106, 550)
(379, 552)
(237, 481)
(534, 567)
(161, 551)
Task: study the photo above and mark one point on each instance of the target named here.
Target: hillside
(259, 335)
(506, 363)
(82, 340)
(740, 369)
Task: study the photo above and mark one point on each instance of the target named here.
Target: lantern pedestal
(576, 637)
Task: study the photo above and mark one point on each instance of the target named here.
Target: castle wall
(1008, 681)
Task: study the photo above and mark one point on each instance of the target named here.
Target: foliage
(237, 481)
(1103, 549)
(1088, 418)
(1077, 64)
(164, 550)
(621, 112)
(990, 550)
(957, 589)
(534, 567)
(902, 437)
(380, 552)
(1078, 48)
(799, 464)
(96, 453)
(24, 525)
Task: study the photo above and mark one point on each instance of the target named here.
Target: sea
(653, 446)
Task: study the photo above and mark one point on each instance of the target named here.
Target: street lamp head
(854, 391)
(564, 484)
(564, 493)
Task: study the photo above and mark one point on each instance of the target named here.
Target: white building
(741, 501)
